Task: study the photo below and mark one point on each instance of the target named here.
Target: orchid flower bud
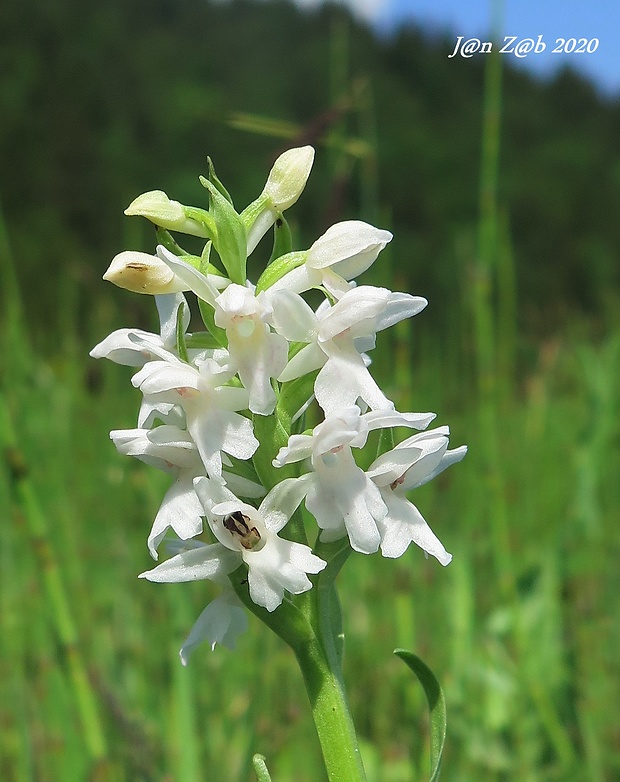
(285, 184)
(142, 273)
(288, 177)
(162, 211)
(348, 248)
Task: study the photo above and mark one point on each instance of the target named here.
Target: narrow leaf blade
(436, 703)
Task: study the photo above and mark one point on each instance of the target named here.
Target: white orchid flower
(340, 495)
(170, 449)
(257, 353)
(410, 464)
(134, 347)
(221, 622)
(210, 407)
(173, 450)
(343, 252)
(335, 335)
(275, 565)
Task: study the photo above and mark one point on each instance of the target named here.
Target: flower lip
(238, 524)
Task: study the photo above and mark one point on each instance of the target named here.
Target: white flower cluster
(204, 395)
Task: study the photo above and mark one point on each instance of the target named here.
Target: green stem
(332, 718)
(320, 663)
(313, 631)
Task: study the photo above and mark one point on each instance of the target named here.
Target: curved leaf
(436, 704)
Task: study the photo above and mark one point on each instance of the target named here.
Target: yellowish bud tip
(142, 273)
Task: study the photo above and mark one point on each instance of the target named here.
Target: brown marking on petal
(397, 482)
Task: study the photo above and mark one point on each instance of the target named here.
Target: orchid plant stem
(331, 714)
(320, 663)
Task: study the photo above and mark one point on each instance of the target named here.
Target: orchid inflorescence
(223, 409)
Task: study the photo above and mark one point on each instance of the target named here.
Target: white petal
(405, 524)
(292, 317)
(167, 307)
(209, 561)
(221, 622)
(399, 307)
(243, 487)
(359, 304)
(195, 280)
(298, 280)
(380, 419)
(280, 565)
(449, 458)
(118, 347)
(349, 247)
(282, 501)
(299, 447)
(343, 379)
(216, 430)
(409, 464)
(308, 359)
(180, 510)
(158, 376)
(163, 447)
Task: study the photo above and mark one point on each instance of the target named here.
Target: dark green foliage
(100, 102)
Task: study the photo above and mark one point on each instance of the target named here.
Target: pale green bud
(285, 184)
(288, 177)
(143, 273)
(162, 211)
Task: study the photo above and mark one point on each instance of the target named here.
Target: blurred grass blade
(436, 704)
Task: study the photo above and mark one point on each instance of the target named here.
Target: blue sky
(550, 18)
(523, 18)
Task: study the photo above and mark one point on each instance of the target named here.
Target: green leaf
(230, 240)
(279, 268)
(181, 346)
(213, 177)
(436, 704)
(207, 313)
(282, 239)
(201, 340)
(165, 238)
(260, 767)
